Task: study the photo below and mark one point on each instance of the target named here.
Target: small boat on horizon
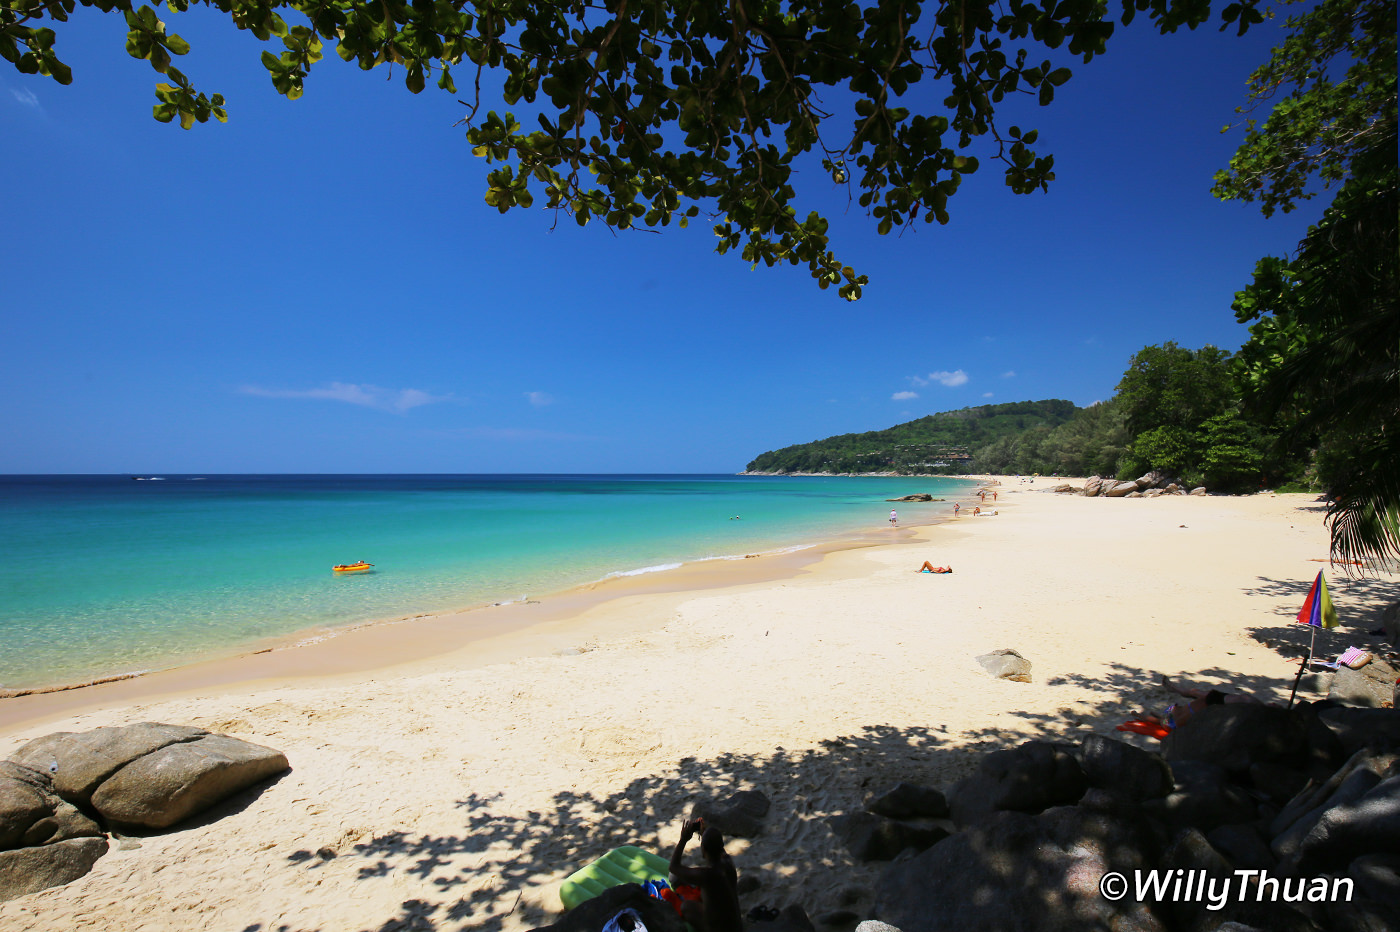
(359, 567)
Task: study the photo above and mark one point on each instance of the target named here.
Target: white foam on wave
(658, 568)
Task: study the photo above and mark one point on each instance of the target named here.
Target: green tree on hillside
(1182, 408)
(642, 111)
(1171, 386)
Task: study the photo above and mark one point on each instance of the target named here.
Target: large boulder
(1369, 824)
(32, 814)
(908, 801)
(29, 870)
(1202, 797)
(1243, 846)
(1093, 486)
(1006, 664)
(1155, 479)
(80, 761)
(1372, 686)
(1021, 872)
(1237, 735)
(1119, 489)
(1029, 778)
(741, 814)
(176, 781)
(44, 841)
(1356, 777)
(1357, 728)
(870, 837)
(1123, 770)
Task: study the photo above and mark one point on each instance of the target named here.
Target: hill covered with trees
(947, 442)
(1175, 409)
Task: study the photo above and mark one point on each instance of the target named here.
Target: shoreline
(322, 653)
(87, 675)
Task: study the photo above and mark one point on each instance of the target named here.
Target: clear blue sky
(318, 286)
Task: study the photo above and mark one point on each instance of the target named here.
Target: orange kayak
(351, 567)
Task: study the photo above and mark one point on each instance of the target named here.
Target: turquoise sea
(102, 575)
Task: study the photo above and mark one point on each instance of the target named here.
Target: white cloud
(947, 379)
(1009, 374)
(986, 394)
(540, 399)
(368, 396)
(903, 396)
(26, 97)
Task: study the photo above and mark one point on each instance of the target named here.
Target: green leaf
(177, 45)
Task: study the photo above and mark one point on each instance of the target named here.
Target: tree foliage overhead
(1325, 119)
(645, 110)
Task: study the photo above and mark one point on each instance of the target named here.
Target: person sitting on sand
(930, 568)
(717, 910)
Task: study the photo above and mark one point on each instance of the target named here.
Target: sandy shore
(455, 791)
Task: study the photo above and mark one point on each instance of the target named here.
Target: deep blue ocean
(108, 574)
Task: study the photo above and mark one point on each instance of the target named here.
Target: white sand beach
(456, 787)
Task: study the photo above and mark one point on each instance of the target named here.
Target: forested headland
(1178, 410)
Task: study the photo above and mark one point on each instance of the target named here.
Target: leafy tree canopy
(1325, 119)
(647, 109)
(1323, 359)
(1171, 386)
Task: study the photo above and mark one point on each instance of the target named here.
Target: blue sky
(318, 286)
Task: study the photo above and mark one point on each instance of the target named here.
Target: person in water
(717, 910)
(930, 568)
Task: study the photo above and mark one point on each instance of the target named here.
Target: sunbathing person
(1178, 712)
(930, 568)
(717, 910)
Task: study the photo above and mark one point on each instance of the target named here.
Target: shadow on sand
(796, 858)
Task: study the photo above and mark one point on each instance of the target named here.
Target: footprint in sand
(617, 741)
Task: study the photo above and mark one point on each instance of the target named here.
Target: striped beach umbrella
(1317, 612)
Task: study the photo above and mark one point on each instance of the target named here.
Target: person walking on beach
(894, 518)
(717, 910)
(956, 507)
